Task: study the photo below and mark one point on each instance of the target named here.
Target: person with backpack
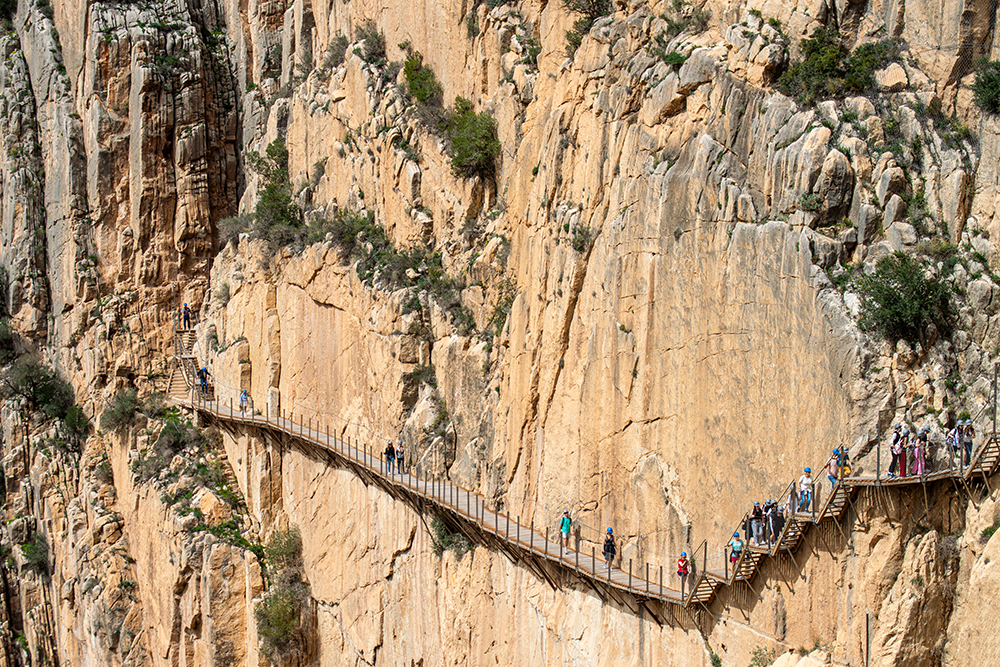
(186, 314)
(895, 448)
(203, 378)
(757, 521)
(565, 527)
(244, 402)
(967, 436)
(736, 548)
(400, 456)
(805, 491)
(610, 550)
(390, 457)
(683, 569)
(777, 523)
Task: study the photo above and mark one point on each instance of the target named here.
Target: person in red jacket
(683, 569)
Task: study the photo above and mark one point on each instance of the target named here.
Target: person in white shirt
(805, 491)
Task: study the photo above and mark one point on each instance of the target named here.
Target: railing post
(531, 535)
(725, 561)
(661, 581)
(630, 573)
(506, 532)
(647, 578)
(577, 552)
(593, 559)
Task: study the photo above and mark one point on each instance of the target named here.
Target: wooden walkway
(469, 511)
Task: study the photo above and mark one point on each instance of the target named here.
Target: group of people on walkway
(394, 456)
(910, 450)
(762, 527)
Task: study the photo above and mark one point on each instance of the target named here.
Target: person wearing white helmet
(954, 443)
(400, 456)
(919, 451)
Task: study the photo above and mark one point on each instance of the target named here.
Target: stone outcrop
(648, 322)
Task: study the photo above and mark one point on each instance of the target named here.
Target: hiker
(909, 445)
(244, 402)
(967, 435)
(833, 468)
(844, 461)
(757, 521)
(805, 490)
(736, 544)
(903, 447)
(954, 444)
(920, 451)
(390, 457)
(565, 526)
(683, 569)
(777, 523)
(609, 547)
(400, 456)
(203, 377)
(186, 314)
(895, 448)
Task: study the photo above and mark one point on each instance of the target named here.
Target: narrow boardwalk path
(528, 544)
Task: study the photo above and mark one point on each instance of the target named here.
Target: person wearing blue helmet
(683, 569)
(833, 467)
(736, 544)
(610, 550)
(805, 491)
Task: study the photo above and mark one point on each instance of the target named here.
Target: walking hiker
(896, 448)
(203, 377)
(609, 548)
(390, 457)
(565, 526)
(954, 444)
(771, 521)
(833, 468)
(805, 491)
(244, 402)
(967, 435)
(757, 521)
(400, 456)
(683, 569)
(186, 314)
(778, 521)
(844, 461)
(920, 451)
(736, 544)
(903, 447)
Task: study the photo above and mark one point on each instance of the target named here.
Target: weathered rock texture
(646, 330)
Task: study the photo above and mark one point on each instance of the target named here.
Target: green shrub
(532, 49)
(445, 539)
(898, 300)
(582, 238)
(279, 621)
(121, 413)
(421, 83)
(828, 71)
(373, 50)
(77, 425)
(36, 553)
(473, 143)
(336, 52)
(39, 387)
(986, 87)
(284, 549)
(8, 342)
(421, 374)
(590, 11)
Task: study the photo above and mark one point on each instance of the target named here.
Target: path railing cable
(643, 580)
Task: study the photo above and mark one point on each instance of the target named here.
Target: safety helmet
(897, 427)
(609, 529)
(756, 503)
(808, 469)
(836, 451)
(684, 554)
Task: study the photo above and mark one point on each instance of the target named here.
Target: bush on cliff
(827, 70)
(898, 299)
(282, 613)
(121, 413)
(421, 83)
(472, 140)
(39, 387)
(373, 50)
(589, 11)
(986, 87)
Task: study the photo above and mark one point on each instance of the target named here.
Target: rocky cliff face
(645, 319)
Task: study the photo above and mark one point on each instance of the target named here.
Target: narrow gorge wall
(647, 320)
